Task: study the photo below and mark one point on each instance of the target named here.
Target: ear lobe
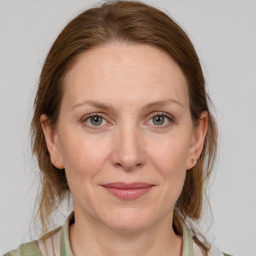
(52, 143)
(198, 139)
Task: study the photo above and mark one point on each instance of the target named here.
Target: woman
(122, 124)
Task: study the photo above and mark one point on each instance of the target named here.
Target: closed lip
(124, 185)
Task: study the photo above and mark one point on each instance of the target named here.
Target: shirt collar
(65, 248)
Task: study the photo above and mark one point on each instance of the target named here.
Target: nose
(128, 149)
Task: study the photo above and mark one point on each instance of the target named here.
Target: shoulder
(27, 249)
(52, 243)
(48, 246)
(214, 251)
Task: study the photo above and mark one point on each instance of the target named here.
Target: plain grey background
(223, 33)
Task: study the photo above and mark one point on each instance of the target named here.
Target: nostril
(128, 150)
(129, 166)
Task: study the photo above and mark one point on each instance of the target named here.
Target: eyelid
(86, 117)
(153, 114)
(160, 113)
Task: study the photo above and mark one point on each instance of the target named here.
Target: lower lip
(128, 194)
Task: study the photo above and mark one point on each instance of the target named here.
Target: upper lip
(124, 185)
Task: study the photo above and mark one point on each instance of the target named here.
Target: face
(125, 135)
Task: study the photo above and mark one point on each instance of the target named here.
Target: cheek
(84, 159)
(170, 154)
(83, 156)
(169, 158)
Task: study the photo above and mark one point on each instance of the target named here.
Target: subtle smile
(128, 191)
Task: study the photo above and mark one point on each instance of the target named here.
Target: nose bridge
(129, 150)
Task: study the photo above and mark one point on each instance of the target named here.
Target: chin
(128, 220)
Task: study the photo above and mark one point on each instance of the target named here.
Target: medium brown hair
(131, 22)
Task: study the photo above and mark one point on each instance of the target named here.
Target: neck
(90, 238)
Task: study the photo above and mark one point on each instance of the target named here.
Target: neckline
(65, 247)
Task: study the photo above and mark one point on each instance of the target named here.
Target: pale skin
(144, 134)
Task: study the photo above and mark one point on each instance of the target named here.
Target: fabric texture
(58, 244)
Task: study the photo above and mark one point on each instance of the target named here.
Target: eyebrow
(101, 105)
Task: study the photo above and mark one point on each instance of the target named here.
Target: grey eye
(96, 120)
(158, 120)
(161, 120)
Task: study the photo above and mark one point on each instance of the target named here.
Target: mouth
(128, 191)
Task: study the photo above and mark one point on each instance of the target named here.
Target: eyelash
(163, 114)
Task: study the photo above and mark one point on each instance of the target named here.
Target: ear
(52, 141)
(197, 140)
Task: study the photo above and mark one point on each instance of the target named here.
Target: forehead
(126, 73)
